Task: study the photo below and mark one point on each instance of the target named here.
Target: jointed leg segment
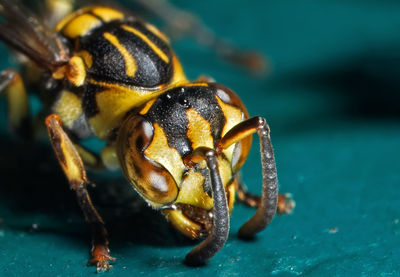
(73, 168)
(285, 202)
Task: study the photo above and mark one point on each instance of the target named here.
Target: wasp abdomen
(128, 53)
(118, 48)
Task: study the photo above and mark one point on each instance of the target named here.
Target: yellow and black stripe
(119, 63)
(119, 48)
(172, 126)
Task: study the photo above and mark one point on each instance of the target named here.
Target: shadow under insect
(35, 197)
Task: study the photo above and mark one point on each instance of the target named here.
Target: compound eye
(150, 179)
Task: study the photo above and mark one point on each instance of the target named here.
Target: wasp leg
(269, 197)
(17, 101)
(183, 23)
(109, 157)
(107, 160)
(220, 231)
(90, 160)
(71, 164)
(286, 204)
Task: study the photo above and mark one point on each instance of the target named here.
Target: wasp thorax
(150, 178)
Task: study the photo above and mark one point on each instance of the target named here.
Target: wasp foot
(286, 204)
(101, 258)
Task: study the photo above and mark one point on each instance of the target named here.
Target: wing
(181, 23)
(25, 32)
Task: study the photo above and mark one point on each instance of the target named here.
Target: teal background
(332, 101)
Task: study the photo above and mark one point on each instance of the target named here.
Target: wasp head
(172, 155)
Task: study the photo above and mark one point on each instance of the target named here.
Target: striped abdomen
(118, 48)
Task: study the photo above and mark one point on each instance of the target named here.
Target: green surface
(332, 101)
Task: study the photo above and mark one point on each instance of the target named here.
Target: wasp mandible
(109, 74)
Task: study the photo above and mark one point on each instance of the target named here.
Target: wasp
(106, 73)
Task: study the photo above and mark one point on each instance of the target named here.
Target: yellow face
(155, 150)
(181, 188)
(191, 213)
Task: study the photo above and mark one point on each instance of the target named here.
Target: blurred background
(331, 96)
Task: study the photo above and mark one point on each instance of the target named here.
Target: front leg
(72, 165)
(106, 160)
(286, 204)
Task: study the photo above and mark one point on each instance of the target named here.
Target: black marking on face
(169, 111)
